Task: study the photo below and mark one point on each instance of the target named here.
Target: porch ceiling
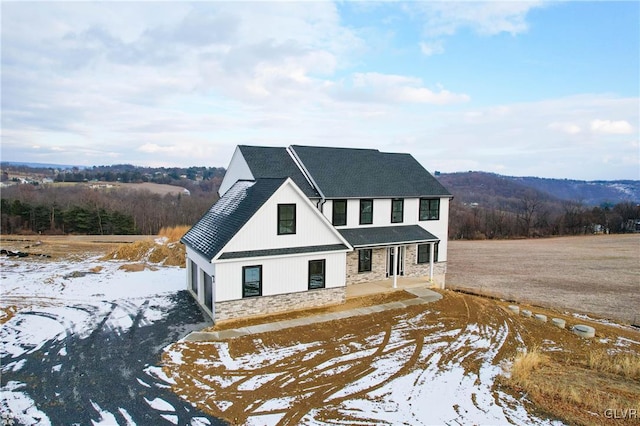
(387, 236)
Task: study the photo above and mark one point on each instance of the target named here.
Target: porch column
(431, 249)
(395, 267)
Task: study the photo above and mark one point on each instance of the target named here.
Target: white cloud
(486, 18)
(384, 88)
(430, 48)
(620, 127)
(568, 128)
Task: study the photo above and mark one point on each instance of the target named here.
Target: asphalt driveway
(104, 374)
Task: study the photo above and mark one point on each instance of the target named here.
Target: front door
(391, 261)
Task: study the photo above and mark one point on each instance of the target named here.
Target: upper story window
(429, 209)
(286, 219)
(366, 212)
(397, 210)
(339, 213)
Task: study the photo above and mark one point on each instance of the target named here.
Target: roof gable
(229, 214)
(360, 173)
(275, 162)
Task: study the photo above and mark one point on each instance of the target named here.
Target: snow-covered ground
(78, 339)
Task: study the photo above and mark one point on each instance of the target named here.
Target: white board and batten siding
(280, 275)
(261, 232)
(203, 266)
(382, 217)
(238, 170)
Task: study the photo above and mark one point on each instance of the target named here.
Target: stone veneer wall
(264, 305)
(378, 267)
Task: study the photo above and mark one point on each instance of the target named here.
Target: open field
(598, 274)
(155, 188)
(446, 362)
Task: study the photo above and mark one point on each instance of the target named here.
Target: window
(364, 260)
(397, 210)
(208, 291)
(286, 219)
(423, 252)
(316, 274)
(194, 276)
(429, 208)
(252, 281)
(366, 212)
(339, 213)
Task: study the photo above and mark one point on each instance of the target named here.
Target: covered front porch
(389, 257)
(387, 285)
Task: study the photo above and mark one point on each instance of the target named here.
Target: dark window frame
(244, 282)
(282, 223)
(362, 222)
(365, 265)
(324, 274)
(426, 209)
(393, 210)
(421, 260)
(335, 217)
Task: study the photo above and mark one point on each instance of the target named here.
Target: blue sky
(545, 89)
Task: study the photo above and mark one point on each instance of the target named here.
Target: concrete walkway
(424, 295)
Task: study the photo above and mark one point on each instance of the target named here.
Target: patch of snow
(157, 373)
(127, 417)
(106, 418)
(20, 407)
(159, 404)
(254, 382)
(200, 421)
(171, 418)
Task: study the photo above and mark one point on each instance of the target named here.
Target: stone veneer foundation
(379, 267)
(264, 305)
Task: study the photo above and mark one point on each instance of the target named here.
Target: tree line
(49, 209)
(531, 216)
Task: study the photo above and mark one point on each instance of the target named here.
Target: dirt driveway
(597, 274)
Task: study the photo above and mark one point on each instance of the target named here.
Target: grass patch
(623, 364)
(578, 394)
(173, 233)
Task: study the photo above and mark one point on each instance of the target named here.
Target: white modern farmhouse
(295, 226)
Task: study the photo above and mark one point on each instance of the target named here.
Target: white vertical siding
(261, 232)
(237, 170)
(440, 228)
(204, 267)
(281, 275)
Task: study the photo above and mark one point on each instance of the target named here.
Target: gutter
(307, 175)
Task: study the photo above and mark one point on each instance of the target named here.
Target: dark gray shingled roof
(282, 251)
(275, 162)
(363, 173)
(386, 235)
(225, 218)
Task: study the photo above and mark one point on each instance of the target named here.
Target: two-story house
(295, 226)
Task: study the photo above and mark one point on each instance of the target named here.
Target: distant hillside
(486, 188)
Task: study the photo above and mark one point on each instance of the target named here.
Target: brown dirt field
(67, 247)
(305, 379)
(598, 275)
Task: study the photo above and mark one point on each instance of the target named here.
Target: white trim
(277, 256)
(291, 150)
(304, 199)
